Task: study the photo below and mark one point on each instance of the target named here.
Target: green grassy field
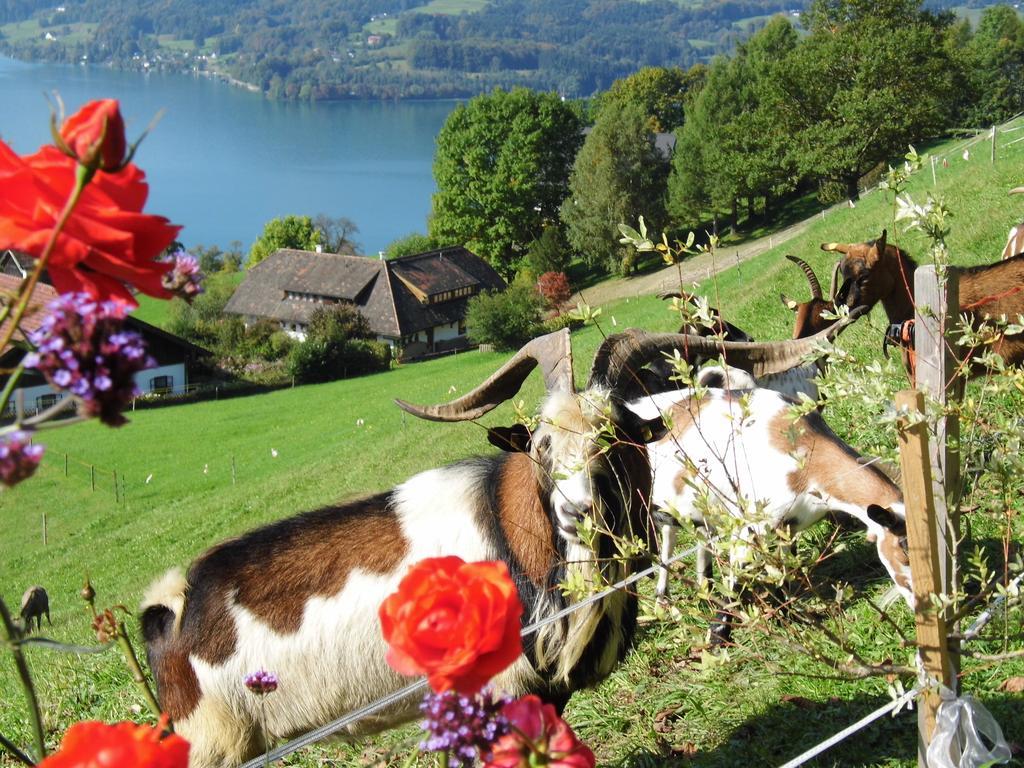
(195, 474)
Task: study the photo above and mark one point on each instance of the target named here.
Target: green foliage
(337, 323)
(315, 360)
(337, 346)
(661, 93)
(502, 167)
(994, 60)
(287, 232)
(846, 111)
(506, 319)
(548, 253)
(411, 245)
(618, 172)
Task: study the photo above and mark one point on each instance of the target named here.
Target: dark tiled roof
(384, 291)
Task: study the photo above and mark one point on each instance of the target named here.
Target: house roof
(42, 295)
(389, 294)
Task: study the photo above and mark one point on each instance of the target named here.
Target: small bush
(314, 360)
(508, 319)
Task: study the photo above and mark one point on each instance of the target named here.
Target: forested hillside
(317, 49)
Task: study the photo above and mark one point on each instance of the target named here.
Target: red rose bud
(453, 621)
(94, 135)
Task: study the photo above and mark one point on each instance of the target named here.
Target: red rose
(453, 621)
(106, 245)
(124, 745)
(538, 736)
(95, 135)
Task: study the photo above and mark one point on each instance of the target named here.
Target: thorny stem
(35, 718)
(10, 747)
(82, 178)
(136, 670)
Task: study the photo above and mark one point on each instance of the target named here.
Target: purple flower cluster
(82, 347)
(18, 457)
(184, 279)
(261, 682)
(463, 726)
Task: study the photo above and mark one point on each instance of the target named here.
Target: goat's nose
(578, 510)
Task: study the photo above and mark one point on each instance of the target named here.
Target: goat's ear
(879, 249)
(515, 438)
(642, 430)
(788, 302)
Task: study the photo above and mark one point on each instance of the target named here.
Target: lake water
(223, 161)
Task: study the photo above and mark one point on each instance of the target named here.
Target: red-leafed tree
(554, 287)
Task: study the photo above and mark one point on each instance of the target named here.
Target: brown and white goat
(299, 597)
(744, 454)
(809, 316)
(878, 271)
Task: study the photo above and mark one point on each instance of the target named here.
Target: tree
(732, 146)
(409, 245)
(618, 175)
(336, 234)
(506, 319)
(287, 232)
(554, 287)
(502, 169)
(548, 253)
(337, 323)
(995, 63)
(869, 80)
(660, 91)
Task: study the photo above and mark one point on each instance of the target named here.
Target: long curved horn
(811, 277)
(837, 247)
(622, 355)
(834, 285)
(1017, 191)
(552, 352)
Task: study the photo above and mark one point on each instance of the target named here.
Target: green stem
(10, 747)
(82, 178)
(12, 382)
(136, 670)
(26, 680)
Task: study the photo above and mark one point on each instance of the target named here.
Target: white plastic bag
(960, 724)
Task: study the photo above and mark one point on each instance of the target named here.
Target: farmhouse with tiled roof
(416, 303)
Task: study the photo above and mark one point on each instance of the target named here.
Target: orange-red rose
(95, 135)
(124, 745)
(107, 245)
(455, 622)
(538, 736)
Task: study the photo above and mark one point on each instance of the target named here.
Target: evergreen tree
(618, 175)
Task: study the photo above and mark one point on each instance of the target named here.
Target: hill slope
(193, 475)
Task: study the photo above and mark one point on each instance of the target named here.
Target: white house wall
(143, 380)
(446, 332)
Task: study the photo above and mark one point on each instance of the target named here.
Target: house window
(161, 385)
(45, 401)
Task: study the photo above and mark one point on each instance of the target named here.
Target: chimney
(319, 248)
(380, 255)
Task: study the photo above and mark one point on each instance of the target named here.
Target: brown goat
(810, 315)
(877, 271)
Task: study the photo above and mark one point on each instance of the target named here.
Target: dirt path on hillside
(694, 269)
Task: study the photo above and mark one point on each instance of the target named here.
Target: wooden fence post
(925, 560)
(935, 318)
(993, 144)
(92, 476)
